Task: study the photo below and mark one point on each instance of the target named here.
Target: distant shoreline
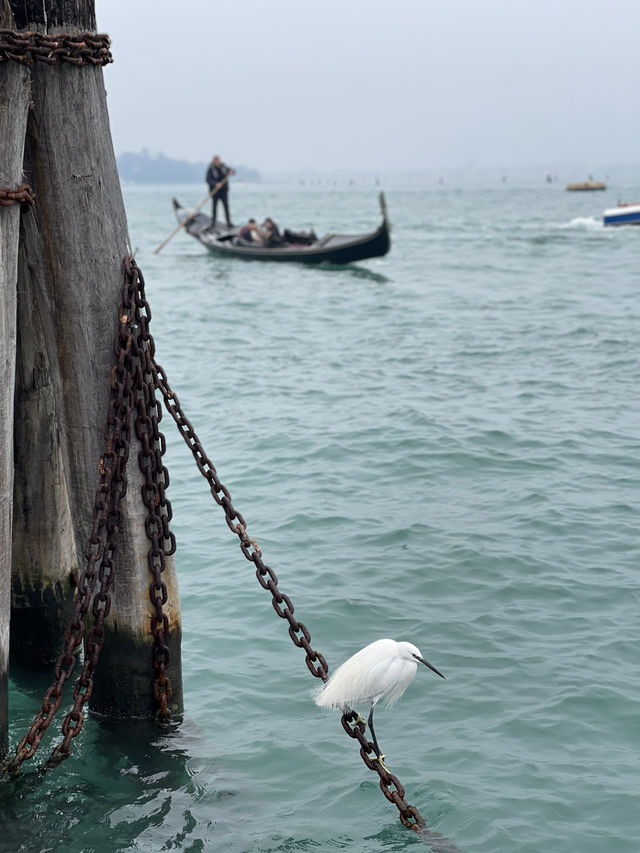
(144, 168)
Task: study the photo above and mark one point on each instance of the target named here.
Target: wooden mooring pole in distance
(14, 97)
(70, 279)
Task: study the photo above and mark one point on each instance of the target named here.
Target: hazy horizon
(417, 87)
(467, 173)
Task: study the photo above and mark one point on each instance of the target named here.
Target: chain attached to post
(99, 552)
(134, 379)
(300, 636)
(159, 513)
(29, 47)
(21, 195)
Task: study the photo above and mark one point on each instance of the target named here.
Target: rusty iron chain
(132, 386)
(29, 47)
(410, 817)
(390, 785)
(159, 512)
(267, 578)
(21, 195)
(99, 553)
(134, 379)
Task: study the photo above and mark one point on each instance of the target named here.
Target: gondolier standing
(218, 173)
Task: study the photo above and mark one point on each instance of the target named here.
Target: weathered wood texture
(54, 15)
(70, 286)
(14, 102)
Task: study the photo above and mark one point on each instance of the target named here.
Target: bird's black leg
(373, 734)
(379, 755)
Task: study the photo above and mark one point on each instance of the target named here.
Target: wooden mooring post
(57, 352)
(14, 101)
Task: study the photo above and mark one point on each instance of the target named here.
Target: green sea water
(441, 446)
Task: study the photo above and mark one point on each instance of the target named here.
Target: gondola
(302, 247)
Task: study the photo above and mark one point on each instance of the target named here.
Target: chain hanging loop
(267, 578)
(99, 552)
(159, 512)
(134, 378)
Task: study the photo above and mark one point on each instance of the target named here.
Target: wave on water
(580, 223)
(440, 446)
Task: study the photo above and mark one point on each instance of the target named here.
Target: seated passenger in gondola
(250, 233)
(271, 232)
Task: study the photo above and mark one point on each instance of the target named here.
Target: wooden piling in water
(70, 285)
(14, 97)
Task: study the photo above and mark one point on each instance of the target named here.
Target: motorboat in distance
(303, 247)
(624, 214)
(587, 186)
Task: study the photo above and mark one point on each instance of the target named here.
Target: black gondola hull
(336, 249)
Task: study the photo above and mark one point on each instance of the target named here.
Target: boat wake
(581, 223)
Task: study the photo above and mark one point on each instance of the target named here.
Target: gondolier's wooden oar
(192, 214)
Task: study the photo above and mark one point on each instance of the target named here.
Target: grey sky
(364, 84)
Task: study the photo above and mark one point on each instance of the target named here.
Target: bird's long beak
(426, 663)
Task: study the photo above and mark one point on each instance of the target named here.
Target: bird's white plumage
(382, 670)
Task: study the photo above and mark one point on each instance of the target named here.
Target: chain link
(21, 195)
(28, 47)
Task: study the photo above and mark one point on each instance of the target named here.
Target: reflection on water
(129, 783)
(357, 271)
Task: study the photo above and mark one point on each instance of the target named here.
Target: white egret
(382, 670)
